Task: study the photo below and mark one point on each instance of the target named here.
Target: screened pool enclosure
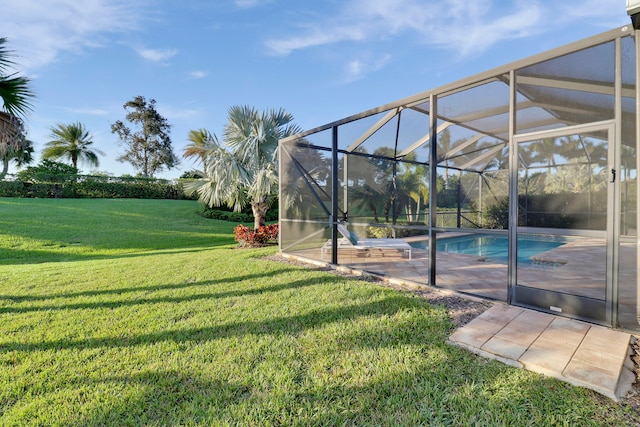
(518, 185)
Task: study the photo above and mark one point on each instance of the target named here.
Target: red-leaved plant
(248, 238)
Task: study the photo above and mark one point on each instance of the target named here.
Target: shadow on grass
(118, 291)
(439, 396)
(173, 397)
(281, 325)
(458, 390)
(37, 231)
(158, 300)
(34, 256)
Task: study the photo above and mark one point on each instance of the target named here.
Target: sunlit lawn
(139, 312)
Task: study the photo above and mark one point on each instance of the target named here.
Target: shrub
(92, 187)
(12, 189)
(227, 215)
(49, 171)
(399, 230)
(497, 215)
(248, 238)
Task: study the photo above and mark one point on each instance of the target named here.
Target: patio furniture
(363, 246)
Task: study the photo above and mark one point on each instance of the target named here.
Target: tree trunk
(259, 209)
(5, 168)
(375, 213)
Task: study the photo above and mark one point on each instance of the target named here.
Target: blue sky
(319, 60)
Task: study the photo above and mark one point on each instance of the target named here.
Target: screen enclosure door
(563, 238)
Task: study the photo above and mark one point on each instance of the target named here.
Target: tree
(202, 142)
(14, 145)
(16, 102)
(149, 149)
(307, 169)
(49, 171)
(444, 146)
(246, 170)
(576, 178)
(71, 142)
(546, 151)
(14, 89)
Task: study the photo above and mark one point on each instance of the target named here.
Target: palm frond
(246, 169)
(73, 142)
(15, 92)
(5, 56)
(16, 95)
(202, 144)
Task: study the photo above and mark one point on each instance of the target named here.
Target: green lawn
(140, 312)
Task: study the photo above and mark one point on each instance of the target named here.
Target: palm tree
(444, 146)
(547, 150)
(71, 142)
(14, 89)
(419, 192)
(246, 170)
(14, 146)
(16, 102)
(202, 143)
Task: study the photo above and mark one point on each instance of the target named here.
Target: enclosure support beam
(433, 178)
(345, 191)
(459, 148)
(334, 195)
(459, 200)
(614, 216)
(383, 121)
(637, 112)
(513, 192)
(422, 141)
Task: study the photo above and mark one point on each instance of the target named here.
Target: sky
(319, 60)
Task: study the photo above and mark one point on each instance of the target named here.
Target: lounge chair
(351, 240)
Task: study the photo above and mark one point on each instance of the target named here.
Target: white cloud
(248, 4)
(40, 30)
(593, 8)
(90, 111)
(178, 113)
(156, 55)
(197, 74)
(358, 68)
(475, 28)
(358, 20)
(468, 27)
(245, 4)
(314, 37)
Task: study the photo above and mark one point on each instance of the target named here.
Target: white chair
(351, 240)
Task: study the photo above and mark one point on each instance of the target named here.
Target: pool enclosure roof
(574, 84)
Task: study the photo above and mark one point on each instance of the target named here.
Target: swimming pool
(496, 248)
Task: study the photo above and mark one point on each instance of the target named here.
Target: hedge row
(557, 210)
(242, 217)
(94, 189)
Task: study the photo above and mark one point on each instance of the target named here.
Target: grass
(140, 312)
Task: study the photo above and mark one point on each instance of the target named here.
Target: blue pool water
(496, 248)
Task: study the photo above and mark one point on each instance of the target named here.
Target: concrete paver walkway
(580, 353)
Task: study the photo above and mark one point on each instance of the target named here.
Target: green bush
(94, 187)
(557, 210)
(49, 171)
(398, 230)
(227, 215)
(497, 215)
(12, 189)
